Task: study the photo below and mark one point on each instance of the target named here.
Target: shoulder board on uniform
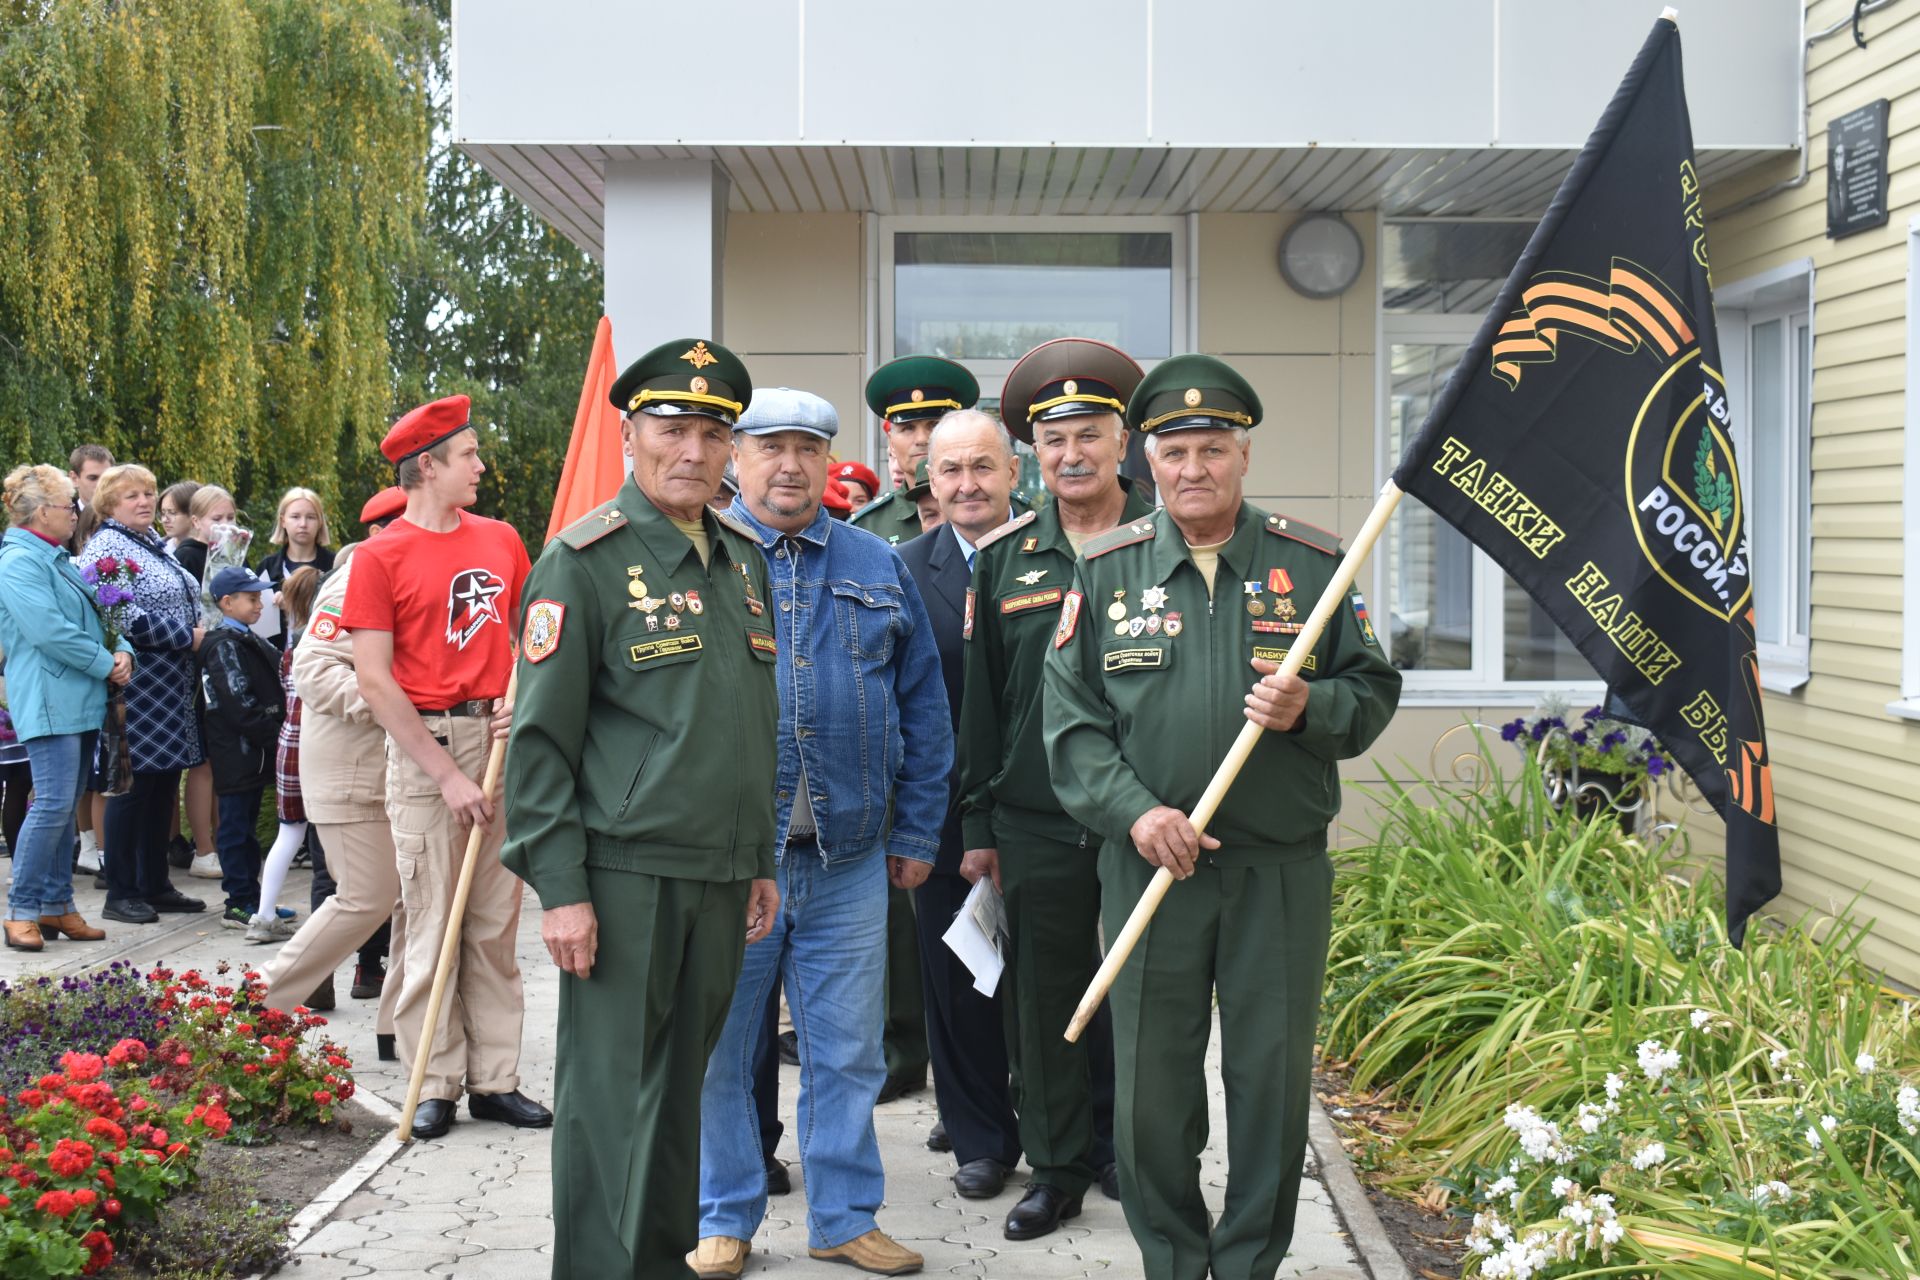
(593, 526)
(884, 500)
(1300, 531)
(1123, 536)
(738, 525)
(993, 536)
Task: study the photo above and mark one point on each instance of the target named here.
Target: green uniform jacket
(639, 746)
(891, 516)
(1020, 575)
(1142, 718)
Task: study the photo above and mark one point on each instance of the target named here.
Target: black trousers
(966, 1036)
(136, 837)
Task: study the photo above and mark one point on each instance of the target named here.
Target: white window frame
(1481, 684)
(1907, 706)
(1779, 293)
(992, 374)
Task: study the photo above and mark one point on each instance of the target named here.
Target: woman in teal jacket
(58, 667)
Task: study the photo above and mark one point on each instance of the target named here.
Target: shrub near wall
(1587, 1064)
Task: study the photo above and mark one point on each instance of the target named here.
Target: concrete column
(665, 231)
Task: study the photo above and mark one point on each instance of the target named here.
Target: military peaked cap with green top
(687, 375)
(1186, 392)
(1064, 378)
(922, 483)
(916, 387)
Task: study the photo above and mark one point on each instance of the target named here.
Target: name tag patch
(1266, 653)
(664, 647)
(1031, 600)
(761, 642)
(1132, 659)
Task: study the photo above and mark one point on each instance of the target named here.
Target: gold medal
(1257, 608)
(636, 588)
(1120, 627)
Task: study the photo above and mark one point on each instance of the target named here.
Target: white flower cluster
(1766, 1193)
(1829, 1123)
(1592, 1223)
(1502, 1255)
(1539, 1138)
(1700, 1019)
(1657, 1061)
(1908, 1101)
(1650, 1155)
(1864, 1064)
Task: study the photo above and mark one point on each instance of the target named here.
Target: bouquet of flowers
(113, 580)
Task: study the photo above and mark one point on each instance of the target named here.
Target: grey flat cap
(786, 409)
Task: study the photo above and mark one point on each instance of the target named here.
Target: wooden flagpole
(1223, 778)
(456, 915)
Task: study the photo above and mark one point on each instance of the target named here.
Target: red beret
(835, 498)
(420, 429)
(384, 505)
(858, 472)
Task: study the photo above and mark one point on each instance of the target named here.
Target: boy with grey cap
(863, 734)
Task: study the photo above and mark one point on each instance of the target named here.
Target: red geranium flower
(128, 1052)
(99, 1248)
(322, 1097)
(70, 1159)
(82, 1067)
(57, 1203)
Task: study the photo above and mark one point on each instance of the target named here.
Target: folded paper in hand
(977, 934)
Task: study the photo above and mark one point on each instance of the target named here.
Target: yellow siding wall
(1846, 773)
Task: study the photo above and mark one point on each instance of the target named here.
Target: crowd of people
(110, 584)
(775, 729)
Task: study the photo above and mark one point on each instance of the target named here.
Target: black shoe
(368, 982)
(1110, 1182)
(100, 880)
(980, 1179)
(779, 1182)
(383, 1049)
(323, 997)
(789, 1046)
(432, 1118)
(1040, 1212)
(174, 900)
(515, 1108)
(130, 911)
(938, 1139)
(179, 854)
(900, 1087)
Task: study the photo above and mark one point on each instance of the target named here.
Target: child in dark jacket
(241, 707)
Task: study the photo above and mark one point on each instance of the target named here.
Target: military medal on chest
(694, 603)
(753, 604)
(1118, 612)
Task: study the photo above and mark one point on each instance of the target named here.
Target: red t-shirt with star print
(450, 600)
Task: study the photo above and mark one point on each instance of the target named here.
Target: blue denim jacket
(861, 698)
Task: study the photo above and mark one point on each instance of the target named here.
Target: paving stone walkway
(476, 1203)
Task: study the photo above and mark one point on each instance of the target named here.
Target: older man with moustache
(1065, 398)
(1170, 617)
(971, 471)
(865, 750)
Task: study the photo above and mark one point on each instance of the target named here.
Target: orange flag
(595, 467)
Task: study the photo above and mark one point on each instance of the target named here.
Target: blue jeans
(829, 948)
(240, 856)
(43, 863)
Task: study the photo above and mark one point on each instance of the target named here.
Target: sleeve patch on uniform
(1029, 600)
(541, 636)
(325, 626)
(966, 628)
(1366, 623)
(1132, 659)
(1069, 620)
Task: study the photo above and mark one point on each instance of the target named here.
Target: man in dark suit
(972, 468)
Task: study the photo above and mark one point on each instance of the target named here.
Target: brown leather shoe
(876, 1252)
(24, 935)
(719, 1257)
(73, 925)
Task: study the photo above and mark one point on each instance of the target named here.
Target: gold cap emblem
(1192, 397)
(917, 394)
(698, 385)
(1072, 387)
(699, 357)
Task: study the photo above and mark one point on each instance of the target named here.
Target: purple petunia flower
(1579, 737)
(1508, 732)
(1656, 765)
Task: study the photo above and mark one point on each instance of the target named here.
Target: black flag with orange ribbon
(1585, 443)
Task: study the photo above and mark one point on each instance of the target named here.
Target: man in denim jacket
(865, 747)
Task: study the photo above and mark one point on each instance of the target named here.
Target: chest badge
(694, 603)
(1154, 598)
(1031, 544)
(673, 622)
(1118, 609)
(1154, 623)
(678, 599)
(1284, 609)
(1257, 607)
(1279, 581)
(1174, 624)
(1031, 576)
(1136, 625)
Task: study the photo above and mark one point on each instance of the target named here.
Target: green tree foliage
(200, 202)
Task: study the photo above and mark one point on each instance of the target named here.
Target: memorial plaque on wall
(1857, 170)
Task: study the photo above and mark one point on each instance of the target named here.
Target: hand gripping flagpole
(456, 915)
(1223, 777)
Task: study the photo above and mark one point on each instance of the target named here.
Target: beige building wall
(1846, 773)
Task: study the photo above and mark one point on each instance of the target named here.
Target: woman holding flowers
(59, 662)
(163, 733)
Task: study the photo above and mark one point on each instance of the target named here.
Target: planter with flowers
(1598, 763)
(96, 1135)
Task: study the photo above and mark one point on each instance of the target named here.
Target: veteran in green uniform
(1067, 398)
(645, 625)
(1170, 619)
(909, 396)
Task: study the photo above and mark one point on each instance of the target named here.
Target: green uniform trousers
(904, 1039)
(1257, 937)
(633, 1048)
(1053, 917)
